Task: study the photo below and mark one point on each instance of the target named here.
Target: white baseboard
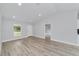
(16, 38)
(68, 43)
(0, 48)
(40, 36)
(74, 44)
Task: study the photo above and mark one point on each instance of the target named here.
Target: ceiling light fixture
(39, 14)
(13, 17)
(19, 4)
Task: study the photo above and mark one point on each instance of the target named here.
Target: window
(17, 30)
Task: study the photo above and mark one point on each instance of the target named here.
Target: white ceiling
(29, 11)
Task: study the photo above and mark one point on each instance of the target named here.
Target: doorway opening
(48, 31)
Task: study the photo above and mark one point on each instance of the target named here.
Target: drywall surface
(0, 34)
(77, 33)
(63, 27)
(8, 33)
(0, 28)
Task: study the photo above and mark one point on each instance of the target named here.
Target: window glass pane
(17, 29)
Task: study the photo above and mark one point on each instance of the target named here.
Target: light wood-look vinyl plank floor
(33, 46)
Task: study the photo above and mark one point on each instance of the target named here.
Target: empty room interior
(39, 29)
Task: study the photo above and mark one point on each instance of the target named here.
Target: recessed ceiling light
(13, 17)
(39, 14)
(19, 4)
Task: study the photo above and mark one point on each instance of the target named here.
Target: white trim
(68, 43)
(39, 36)
(74, 44)
(16, 38)
(0, 48)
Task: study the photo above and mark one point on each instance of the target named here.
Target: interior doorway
(48, 31)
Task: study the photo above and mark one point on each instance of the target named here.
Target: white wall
(78, 28)
(0, 34)
(63, 27)
(0, 28)
(8, 35)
